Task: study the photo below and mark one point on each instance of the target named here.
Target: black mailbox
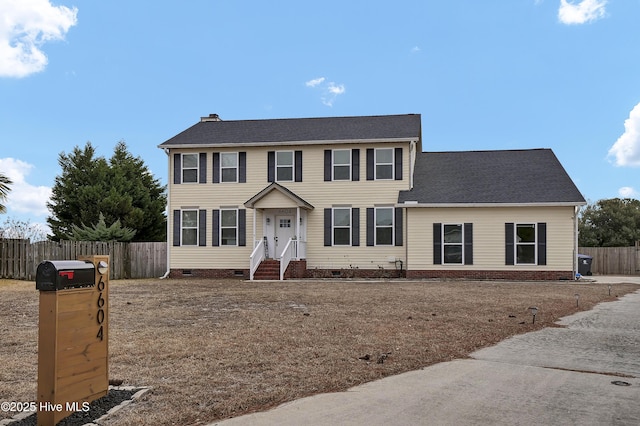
(59, 274)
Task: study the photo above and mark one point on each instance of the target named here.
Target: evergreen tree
(121, 189)
(101, 232)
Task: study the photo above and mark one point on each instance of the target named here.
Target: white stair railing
(289, 252)
(257, 256)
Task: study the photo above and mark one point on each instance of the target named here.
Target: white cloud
(628, 192)
(415, 49)
(626, 150)
(24, 197)
(329, 89)
(25, 25)
(581, 12)
(315, 82)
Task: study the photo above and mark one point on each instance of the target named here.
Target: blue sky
(493, 74)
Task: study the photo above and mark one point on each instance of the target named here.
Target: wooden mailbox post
(73, 344)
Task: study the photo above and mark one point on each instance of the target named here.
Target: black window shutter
(509, 244)
(203, 167)
(202, 228)
(370, 164)
(177, 169)
(371, 229)
(355, 164)
(176, 226)
(216, 167)
(242, 167)
(468, 243)
(355, 226)
(327, 227)
(542, 243)
(398, 226)
(298, 166)
(327, 165)
(215, 227)
(437, 244)
(242, 227)
(271, 166)
(398, 164)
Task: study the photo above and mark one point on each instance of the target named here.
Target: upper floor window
(284, 166)
(190, 165)
(341, 164)
(229, 166)
(384, 163)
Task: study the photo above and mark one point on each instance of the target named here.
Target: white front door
(285, 229)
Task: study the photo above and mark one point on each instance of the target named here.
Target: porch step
(268, 270)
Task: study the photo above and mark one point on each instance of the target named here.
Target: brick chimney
(211, 117)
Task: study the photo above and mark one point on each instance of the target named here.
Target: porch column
(297, 231)
(255, 213)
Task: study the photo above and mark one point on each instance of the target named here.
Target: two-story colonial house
(356, 196)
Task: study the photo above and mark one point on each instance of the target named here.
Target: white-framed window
(384, 163)
(384, 217)
(229, 227)
(190, 167)
(341, 162)
(189, 227)
(453, 243)
(341, 226)
(525, 243)
(229, 167)
(284, 166)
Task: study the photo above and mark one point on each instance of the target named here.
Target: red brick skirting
(298, 269)
(210, 273)
(493, 275)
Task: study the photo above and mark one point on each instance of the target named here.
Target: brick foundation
(210, 273)
(493, 275)
(298, 269)
(354, 273)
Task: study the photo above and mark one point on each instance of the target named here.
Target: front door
(284, 231)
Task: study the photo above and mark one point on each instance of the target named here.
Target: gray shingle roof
(512, 176)
(278, 131)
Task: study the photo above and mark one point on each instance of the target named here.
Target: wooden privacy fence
(19, 259)
(614, 260)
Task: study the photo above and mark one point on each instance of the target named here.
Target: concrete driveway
(585, 374)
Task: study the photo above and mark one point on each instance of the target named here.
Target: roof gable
(486, 177)
(276, 188)
(297, 130)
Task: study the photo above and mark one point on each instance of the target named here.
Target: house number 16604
(100, 314)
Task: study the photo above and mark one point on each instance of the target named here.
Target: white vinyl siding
(361, 194)
(489, 235)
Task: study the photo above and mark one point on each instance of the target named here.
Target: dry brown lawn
(213, 349)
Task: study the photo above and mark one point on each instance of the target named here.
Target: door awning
(276, 188)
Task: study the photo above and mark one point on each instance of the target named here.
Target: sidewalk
(585, 374)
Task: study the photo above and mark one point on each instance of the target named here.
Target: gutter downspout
(166, 274)
(575, 242)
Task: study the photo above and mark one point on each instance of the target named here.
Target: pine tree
(122, 189)
(101, 232)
